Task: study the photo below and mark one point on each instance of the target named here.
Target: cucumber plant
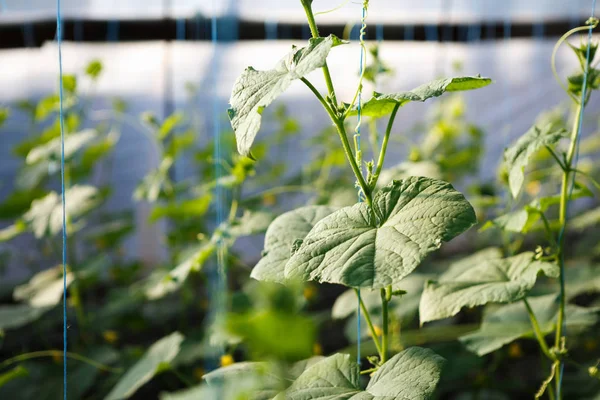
(371, 245)
(489, 277)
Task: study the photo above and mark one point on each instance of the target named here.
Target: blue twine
(431, 33)
(409, 32)
(360, 197)
(112, 34)
(271, 30)
(180, 29)
(62, 185)
(572, 183)
(379, 33)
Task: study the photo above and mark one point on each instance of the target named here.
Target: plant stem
(386, 294)
(384, 144)
(538, 332)
(370, 324)
(314, 30)
(57, 353)
(341, 129)
(561, 242)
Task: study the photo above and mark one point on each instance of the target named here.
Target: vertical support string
(572, 183)
(64, 195)
(358, 153)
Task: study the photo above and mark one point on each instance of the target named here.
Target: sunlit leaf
(254, 90)
(281, 235)
(360, 247)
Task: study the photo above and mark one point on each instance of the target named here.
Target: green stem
(384, 144)
(386, 294)
(538, 332)
(367, 316)
(57, 353)
(315, 34)
(182, 378)
(556, 158)
(561, 245)
(341, 129)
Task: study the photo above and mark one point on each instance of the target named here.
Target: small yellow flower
(515, 351)
(317, 349)
(377, 330)
(310, 292)
(533, 188)
(198, 373)
(110, 336)
(227, 359)
(57, 357)
(269, 200)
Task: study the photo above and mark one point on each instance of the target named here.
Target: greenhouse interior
(299, 199)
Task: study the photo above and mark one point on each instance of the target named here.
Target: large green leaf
(362, 247)
(280, 237)
(495, 280)
(410, 374)
(45, 215)
(154, 361)
(510, 322)
(254, 90)
(517, 156)
(383, 104)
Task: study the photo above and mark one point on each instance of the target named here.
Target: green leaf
(262, 332)
(44, 289)
(45, 214)
(69, 83)
(360, 248)
(173, 280)
(524, 219)
(495, 280)
(410, 374)
(254, 90)
(52, 149)
(15, 316)
(160, 353)
(281, 235)
(269, 378)
(156, 182)
(94, 69)
(182, 210)
(383, 104)
(18, 202)
(510, 322)
(4, 114)
(517, 156)
(170, 123)
(12, 231)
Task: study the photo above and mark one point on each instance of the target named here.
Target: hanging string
(64, 194)
(358, 153)
(572, 183)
